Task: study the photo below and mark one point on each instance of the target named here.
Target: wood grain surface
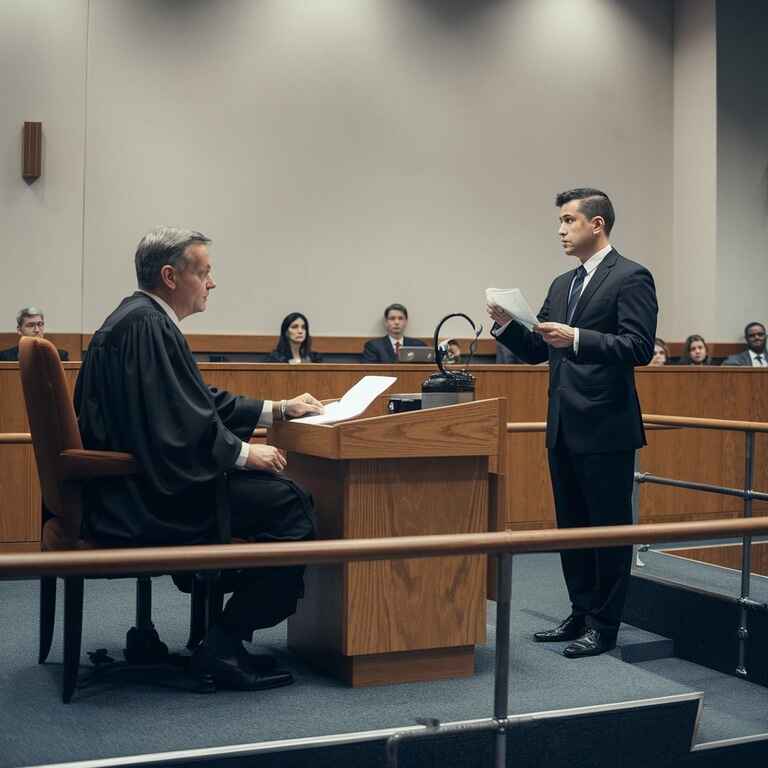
(704, 456)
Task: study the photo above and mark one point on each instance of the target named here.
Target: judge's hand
(557, 335)
(498, 315)
(303, 405)
(265, 457)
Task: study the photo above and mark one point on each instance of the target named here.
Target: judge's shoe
(569, 629)
(223, 658)
(592, 643)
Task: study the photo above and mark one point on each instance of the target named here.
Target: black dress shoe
(569, 629)
(234, 671)
(592, 643)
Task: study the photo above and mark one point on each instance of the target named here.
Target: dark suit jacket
(593, 403)
(381, 350)
(11, 355)
(743, 358)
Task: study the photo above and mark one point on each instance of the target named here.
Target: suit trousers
(265, 507)
(594, 489)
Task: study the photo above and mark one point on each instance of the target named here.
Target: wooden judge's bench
(435, 471)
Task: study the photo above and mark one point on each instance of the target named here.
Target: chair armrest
(81, 464)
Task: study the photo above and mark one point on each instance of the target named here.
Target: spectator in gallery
(30, 321)
(295, 342)
(696, 351)
(660, 352)
(452, 352)
(386, 349)
(754, 354)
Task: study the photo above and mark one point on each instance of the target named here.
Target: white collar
(593, 262)
(167, 308)
(393, 340)
(754, 355)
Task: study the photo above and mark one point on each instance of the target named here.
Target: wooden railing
(214, 556)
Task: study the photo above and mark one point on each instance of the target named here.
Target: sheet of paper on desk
(513, 301)
(354, 402)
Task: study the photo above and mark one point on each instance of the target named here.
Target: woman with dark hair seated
(295, 343)
(660, 352)
(696, 352)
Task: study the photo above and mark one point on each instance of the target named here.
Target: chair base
(173, 672)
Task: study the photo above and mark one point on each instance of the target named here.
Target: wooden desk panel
(708, 456)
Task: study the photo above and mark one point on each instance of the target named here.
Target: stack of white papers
(513, 301)
(354, 402)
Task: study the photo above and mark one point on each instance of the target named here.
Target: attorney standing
(598, 322)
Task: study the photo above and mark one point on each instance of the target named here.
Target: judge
(140, 390)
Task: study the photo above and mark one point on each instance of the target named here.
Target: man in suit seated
(29, 322)
(385, 349)
(754, 354)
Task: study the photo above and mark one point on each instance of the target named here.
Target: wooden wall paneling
(20, 492)
(726, 555)
(446, 596)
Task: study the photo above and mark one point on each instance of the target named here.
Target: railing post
(501, 677)
(746, 553)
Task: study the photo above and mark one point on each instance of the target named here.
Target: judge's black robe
(140, 390)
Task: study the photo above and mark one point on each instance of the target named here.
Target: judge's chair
(63, 467)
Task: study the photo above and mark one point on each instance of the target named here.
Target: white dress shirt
(757, 363)
(393, 341)
(590, 265)
(265, 419)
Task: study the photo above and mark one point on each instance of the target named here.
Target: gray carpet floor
(36, 728)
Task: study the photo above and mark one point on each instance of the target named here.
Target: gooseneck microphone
(449, 387)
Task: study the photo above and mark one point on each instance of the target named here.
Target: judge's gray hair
(161, 246)
(26, 312)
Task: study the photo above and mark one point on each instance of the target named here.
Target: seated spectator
(29, 322)
(754, 354)
(295, 343)
(452, 352)
(385, 349)
(660, 352)
(696, 352)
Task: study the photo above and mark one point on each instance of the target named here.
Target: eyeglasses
(38, 324)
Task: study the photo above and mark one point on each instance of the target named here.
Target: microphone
(449, 387)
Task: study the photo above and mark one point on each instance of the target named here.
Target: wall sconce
(32, 151)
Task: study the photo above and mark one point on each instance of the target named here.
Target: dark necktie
(759, 359)
(397, 349)
(578, 284)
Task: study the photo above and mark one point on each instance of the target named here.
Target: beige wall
(693, 298)
(742, 165)
(342, 153)
(42, 78)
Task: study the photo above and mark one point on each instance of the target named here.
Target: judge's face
(32, 325)
(193, 283)
(395, 323)
(756, 338)
(578, 234)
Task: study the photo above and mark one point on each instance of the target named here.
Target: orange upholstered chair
(63, 466)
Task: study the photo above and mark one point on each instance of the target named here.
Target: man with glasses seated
(29, 322)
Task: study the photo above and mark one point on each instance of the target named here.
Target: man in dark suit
(598, 322)
(29, 322)
(754, 354)
(385, 349)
